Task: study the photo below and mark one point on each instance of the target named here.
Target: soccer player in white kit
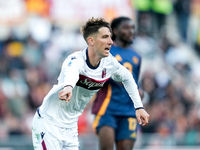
(83, 73)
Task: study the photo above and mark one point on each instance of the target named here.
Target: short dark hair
(116, 22)
(92, 26)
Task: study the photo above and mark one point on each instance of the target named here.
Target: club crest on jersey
(103, 73)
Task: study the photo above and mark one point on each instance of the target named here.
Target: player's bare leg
(106, 138)
(125, 144)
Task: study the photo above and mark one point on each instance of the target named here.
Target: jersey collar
(88, 62)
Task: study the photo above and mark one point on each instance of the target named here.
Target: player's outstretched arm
(142, 117)
(65, 94)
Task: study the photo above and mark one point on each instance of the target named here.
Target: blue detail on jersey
(73, 58)
(70, 63)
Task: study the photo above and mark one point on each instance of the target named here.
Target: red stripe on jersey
(44, 145)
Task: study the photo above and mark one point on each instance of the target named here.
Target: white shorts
(50, 137)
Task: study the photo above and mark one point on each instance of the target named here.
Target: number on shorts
(132, 123)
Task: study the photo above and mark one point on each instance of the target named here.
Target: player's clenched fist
(65, 94)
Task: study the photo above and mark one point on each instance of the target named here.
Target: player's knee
(107, 147)
(125, 145)
(106, 144)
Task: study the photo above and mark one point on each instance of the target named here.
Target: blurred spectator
(41, 7)
(144, 16)
(161, 9)
(182, 10)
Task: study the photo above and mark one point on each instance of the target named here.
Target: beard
(126, 41)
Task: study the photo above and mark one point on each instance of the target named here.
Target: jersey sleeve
(121, 74)
(71, 68)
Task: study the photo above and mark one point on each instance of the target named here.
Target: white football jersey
(86, 80)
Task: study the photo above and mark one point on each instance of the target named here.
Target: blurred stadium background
(36, 36)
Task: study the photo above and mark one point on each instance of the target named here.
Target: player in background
(82, 74)
(115, 121)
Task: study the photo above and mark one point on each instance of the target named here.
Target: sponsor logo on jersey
(89, 83)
